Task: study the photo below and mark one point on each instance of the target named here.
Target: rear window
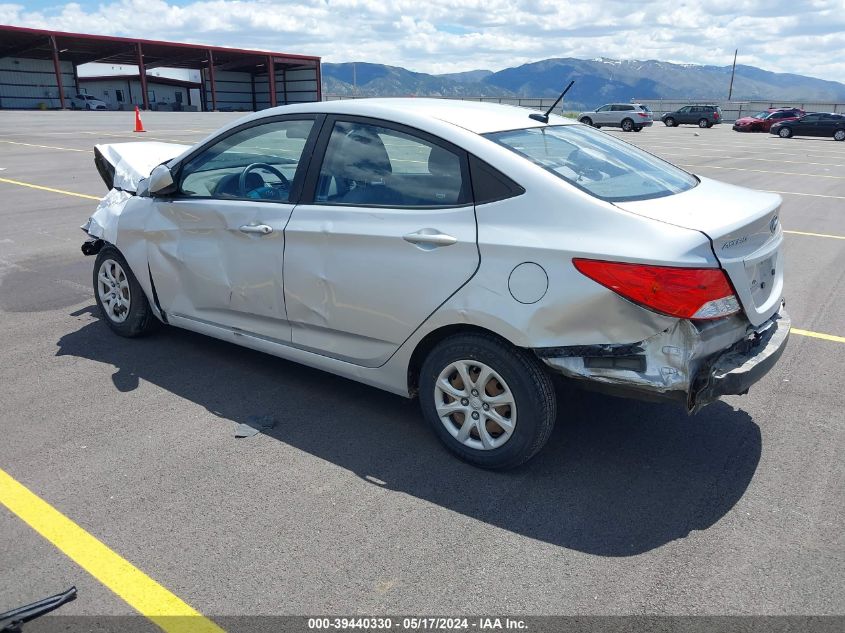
(597, 163)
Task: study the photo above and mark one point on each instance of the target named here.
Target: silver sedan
(462, 253)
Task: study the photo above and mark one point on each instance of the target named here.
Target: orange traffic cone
(139, 127)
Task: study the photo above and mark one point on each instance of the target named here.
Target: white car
(87, 102)
(462, 253)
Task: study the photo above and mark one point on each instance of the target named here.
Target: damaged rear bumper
(692, 364)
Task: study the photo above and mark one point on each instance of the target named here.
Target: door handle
(261, 229)
(431, 237)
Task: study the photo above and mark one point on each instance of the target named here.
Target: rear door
(384, 235)
(807, 125)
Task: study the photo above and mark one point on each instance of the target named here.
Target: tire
(670, 122)
(703, 123)
(627, 125)
(516, 377)
(784, 132)
(839, 135)
(586, 120)
(638, 128)
(597, 126)
(132, 316)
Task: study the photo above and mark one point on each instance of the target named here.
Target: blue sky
(800, 36)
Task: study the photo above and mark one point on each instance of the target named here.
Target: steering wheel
(249, 168)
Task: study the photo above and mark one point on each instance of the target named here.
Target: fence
(731, 110)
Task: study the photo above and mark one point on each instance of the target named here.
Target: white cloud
(803, 37)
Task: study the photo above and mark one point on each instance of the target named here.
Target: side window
(257, 163)
(628, 108)
(811, 118)
(370, 165)
(685, 109)
(604, 108)
(489, 184)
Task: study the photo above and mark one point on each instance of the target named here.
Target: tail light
(716, 115)
(643, 114)
(684, 293)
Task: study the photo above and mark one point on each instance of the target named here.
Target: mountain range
(597, 81)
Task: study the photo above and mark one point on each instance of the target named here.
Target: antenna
(544, 118)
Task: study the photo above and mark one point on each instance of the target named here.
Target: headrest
(361, 157)
(442, 162)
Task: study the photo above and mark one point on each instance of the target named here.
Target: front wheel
(586, 120)
(638, 128)
(670, 122)
(119, 295)
(784, 132)
(703, 123)
(490, 403)
(839, 135)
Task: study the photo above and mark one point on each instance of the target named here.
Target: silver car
(628, 116)
(462, 253)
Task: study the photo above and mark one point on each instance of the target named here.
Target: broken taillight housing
(684, 293)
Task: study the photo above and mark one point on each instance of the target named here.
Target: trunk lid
(744, 229)
(123, 165)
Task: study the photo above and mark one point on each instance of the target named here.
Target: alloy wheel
(475, 405)
(113, 290)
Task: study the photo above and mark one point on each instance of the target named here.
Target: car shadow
(618, 478)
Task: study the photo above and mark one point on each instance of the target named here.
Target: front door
(388, 236)
(216, 247)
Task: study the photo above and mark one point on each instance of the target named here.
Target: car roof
(474, 116)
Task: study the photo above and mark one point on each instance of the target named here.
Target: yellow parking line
(140, 591)
(826, 337)
(64, 149)
(43, 188)
(833, 237)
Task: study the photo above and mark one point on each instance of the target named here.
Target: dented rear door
(389, 235)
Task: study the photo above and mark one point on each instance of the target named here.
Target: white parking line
(812, 195)
(762, 171)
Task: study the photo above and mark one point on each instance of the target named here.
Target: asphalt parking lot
(349, 505)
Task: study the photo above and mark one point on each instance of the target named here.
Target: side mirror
(161, 181)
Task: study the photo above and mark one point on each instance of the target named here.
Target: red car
(762, 121)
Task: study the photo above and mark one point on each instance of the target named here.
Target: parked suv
(628, 116)
(700, 115)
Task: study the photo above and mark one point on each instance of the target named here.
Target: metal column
(271, 80)
(211, 78)
(142, 74)
(58, 68)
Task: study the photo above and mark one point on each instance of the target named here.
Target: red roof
(17, 41)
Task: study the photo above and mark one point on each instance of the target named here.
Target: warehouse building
(124, 92)
(38, 69)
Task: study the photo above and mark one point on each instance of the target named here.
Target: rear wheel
(119, 295)
(490, 403)
(703, 123)
(784, 132)
(586, 120)
(670, 122)
(839, 135)
(627, 125)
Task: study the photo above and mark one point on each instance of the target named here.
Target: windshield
(762, 115)
(596, 162)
